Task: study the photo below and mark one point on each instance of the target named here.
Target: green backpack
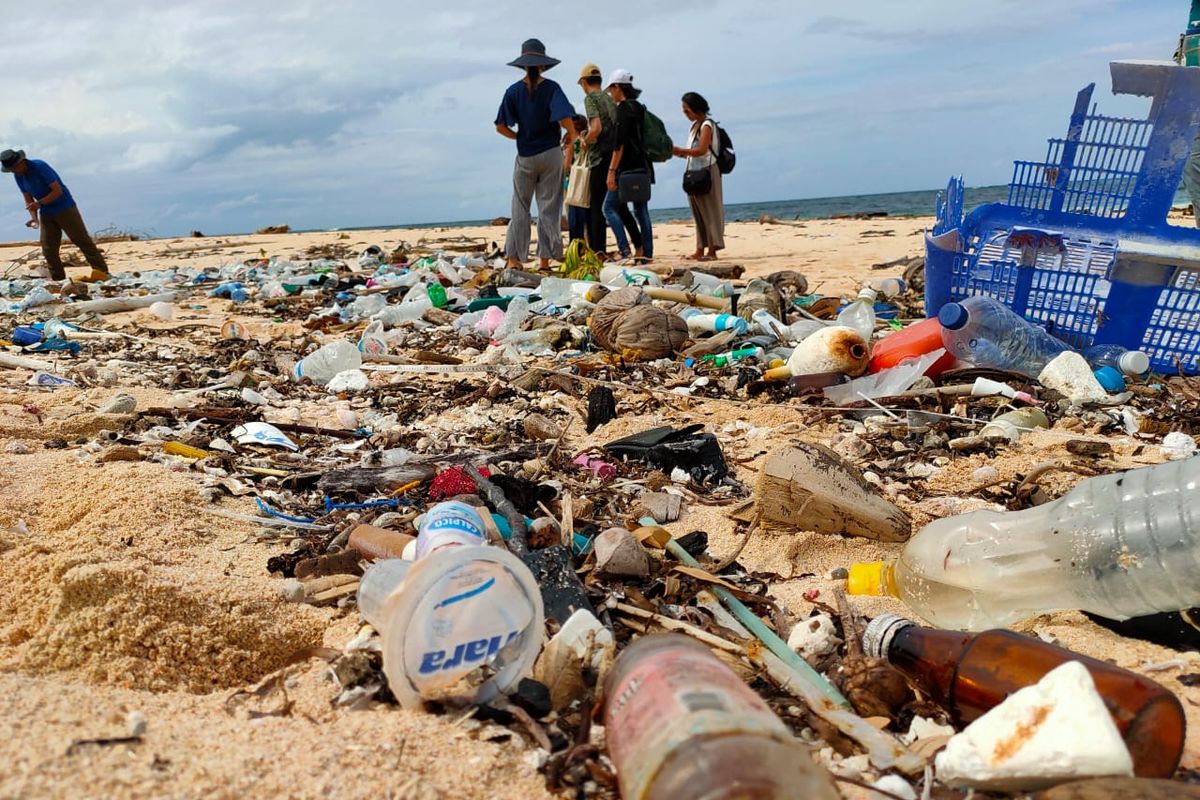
(656, 142)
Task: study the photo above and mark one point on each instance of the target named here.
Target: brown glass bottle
(971, 673)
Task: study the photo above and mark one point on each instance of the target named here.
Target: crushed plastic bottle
(514, 318)
(985, 332)
(322, 365)
(620, 276)
(1120, 546)
(681, 725)
(860, 315)
(1128, 362)
(888, 287)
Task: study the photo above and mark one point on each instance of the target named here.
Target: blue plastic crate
(1082, 246)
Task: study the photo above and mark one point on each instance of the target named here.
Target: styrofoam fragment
(1054, 731)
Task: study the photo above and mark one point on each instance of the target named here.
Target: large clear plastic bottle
(1122, 545)
(1129, 362)
(683, 726)
(320, 366)
(860, 314)
(985, 332)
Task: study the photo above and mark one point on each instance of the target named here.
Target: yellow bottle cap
(866, 578)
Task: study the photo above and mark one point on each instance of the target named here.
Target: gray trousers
(709, 212)
(540, 176)
(1191, 179)
(69, 222)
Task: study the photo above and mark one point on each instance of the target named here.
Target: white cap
(1134, 362)
(620, 76)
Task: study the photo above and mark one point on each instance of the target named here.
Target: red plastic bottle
(912, 342)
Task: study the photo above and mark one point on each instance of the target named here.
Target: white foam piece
(1054, 731)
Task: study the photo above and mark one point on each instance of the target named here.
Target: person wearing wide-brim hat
(47, 197)
(537, 108)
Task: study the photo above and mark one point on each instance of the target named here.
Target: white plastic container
(443, 617)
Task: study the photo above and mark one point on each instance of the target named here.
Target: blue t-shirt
(36, 183)
(535, 115)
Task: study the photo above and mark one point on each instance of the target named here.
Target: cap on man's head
(10, 158)
(622, 76)
(590, 71)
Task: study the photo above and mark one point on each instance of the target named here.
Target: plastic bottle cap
(866, 578)
(1135, 362)
(1110, 379)
(953, 316)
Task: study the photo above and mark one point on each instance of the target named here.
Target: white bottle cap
(868, 294)
(1134, 362)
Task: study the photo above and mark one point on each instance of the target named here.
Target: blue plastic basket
(1082, 246)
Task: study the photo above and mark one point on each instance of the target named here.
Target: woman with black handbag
(702, 179)
(629, 172)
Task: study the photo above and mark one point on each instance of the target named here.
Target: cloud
(228, 115)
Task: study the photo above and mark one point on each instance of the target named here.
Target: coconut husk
(610, 309)
(648, 332)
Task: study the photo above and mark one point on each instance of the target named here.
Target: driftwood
(234, 415)
(114, 305)
(366, 480)
(18, 362)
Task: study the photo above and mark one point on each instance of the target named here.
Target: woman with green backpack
(630, 172)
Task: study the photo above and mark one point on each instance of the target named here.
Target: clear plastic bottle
(683, 726)
(860, 314)
(1121, 545)
(985, 332)
(1128, 362)
(320, 366)
(514, 318)
(620, 276)
(889, 287)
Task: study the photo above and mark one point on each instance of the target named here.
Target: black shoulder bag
(698, 182)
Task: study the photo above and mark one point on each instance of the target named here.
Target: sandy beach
(123, 599)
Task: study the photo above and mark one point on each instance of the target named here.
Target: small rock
(538, 426)
(119, 404)
(814, 638)
(1070, 375)
(839, 574)
(17, 448)
(1176, 445)
(895, 786)
(663, 506)
(533, 696)
(618, 552)
(352, 380)
(985, 475)
(135, 724)
(695, 543)
(1054, 731)
(120, 453)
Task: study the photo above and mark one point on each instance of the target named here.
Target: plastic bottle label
(670, 698)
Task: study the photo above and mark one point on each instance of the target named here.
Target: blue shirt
(535, 114)
(36, 183)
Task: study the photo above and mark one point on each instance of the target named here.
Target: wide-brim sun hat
(10, 158)
(533, 54)
(622, 76)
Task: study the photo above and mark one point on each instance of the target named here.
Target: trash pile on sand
(664, 530)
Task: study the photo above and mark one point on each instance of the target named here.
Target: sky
(220, 116)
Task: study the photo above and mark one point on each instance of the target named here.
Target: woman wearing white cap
(628, 156)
